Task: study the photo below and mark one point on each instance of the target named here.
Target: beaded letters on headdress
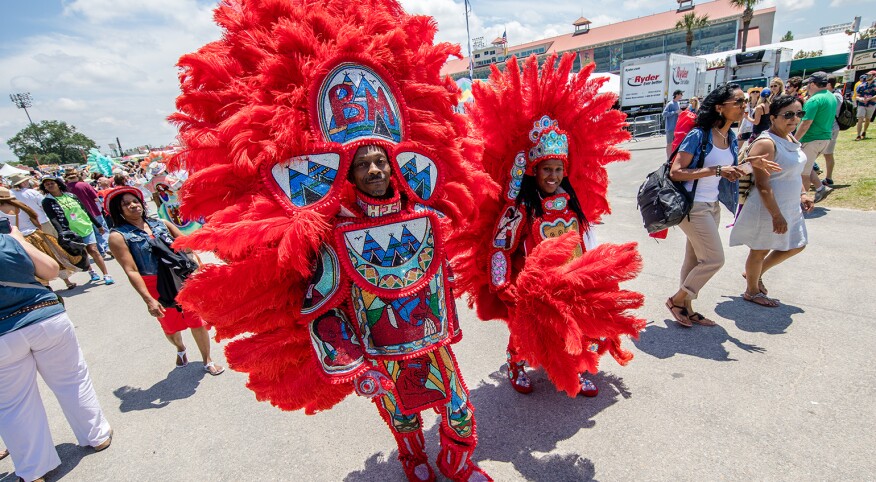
(549, 142)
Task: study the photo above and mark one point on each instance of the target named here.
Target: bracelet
(717, 171)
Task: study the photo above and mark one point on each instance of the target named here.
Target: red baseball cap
(118, 191)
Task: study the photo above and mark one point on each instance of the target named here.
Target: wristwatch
(717, 171)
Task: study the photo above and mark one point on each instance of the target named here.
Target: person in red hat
(131, 241)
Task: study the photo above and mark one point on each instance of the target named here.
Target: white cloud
(112, 73)
(70, 104)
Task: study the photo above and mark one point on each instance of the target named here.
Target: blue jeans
(102, 239)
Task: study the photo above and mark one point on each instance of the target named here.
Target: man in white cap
(22, 189)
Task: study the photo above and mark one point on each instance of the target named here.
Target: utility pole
(468, 35)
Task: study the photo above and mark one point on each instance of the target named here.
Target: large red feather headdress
(524, 116)
(270, 116)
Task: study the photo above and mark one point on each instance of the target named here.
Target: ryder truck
(647, 83)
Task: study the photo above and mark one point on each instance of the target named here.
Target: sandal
(681, 317)
(760, 299)
(3, 454)
(701, 320)
(760, 285)
(181, 359)
(105, 444)
(213, 369)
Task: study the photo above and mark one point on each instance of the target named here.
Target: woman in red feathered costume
(331, 171)
(546, 140)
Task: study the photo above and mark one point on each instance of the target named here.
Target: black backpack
(846, 118)
(664, 202)
(173, 269)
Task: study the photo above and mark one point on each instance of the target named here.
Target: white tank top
(707, 187)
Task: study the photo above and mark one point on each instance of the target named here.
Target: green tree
(747, 15)
(689, 23)
(787, 37)
(52, 142)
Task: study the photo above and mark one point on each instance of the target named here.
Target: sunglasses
(739, 102)
(790, 115)
(773, 86)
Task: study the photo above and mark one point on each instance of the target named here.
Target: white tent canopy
(8, 170)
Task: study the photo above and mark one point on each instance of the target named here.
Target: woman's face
(132, 209)
(52, 187)
(733, 109)
(548, 175)
(788, 118)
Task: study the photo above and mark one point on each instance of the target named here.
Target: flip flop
(681, 317)
(761, 300)
(701, 320)
(212, 369)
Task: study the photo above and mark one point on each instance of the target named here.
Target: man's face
(677, 97)
(370, 171)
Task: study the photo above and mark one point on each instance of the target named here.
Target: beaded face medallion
(356, 103)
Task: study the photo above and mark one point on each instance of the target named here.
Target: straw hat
(17, 179)
(5, 194)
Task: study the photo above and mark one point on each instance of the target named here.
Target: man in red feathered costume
(533, 263)
(329, 167)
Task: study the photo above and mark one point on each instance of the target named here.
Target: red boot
(518, 378)
(588, 388)
(412, 454)
(454, 461)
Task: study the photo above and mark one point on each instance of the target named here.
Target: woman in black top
(761, 115)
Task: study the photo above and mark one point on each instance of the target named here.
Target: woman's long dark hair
(530, 199)
(115, 210)
(708, 115)
(61, 184)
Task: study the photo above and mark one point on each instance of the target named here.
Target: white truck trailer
(756, 68)
(647, 83)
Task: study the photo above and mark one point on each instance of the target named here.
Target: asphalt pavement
(768, 394)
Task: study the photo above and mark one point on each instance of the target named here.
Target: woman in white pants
(36, 336)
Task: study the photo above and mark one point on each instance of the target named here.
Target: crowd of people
(782, 132)
(52, 225)
(341, 252)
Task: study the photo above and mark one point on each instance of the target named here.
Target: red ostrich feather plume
(246, 105)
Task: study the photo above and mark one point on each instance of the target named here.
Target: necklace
(723, 136)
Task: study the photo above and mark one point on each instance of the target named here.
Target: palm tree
(689, 23)
(747, 15)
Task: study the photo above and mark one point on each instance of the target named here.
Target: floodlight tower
(23, 100)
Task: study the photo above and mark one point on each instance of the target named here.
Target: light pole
(468, 34)
(23, 101)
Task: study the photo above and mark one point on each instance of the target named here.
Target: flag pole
(468, 35)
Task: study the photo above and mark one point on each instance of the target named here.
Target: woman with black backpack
(141, 245)
(706, 164)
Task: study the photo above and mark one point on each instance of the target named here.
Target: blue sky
(108, 66)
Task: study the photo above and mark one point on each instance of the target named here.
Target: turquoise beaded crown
(549, 142)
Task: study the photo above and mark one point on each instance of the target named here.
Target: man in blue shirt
(670, 116)
(866, 100)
